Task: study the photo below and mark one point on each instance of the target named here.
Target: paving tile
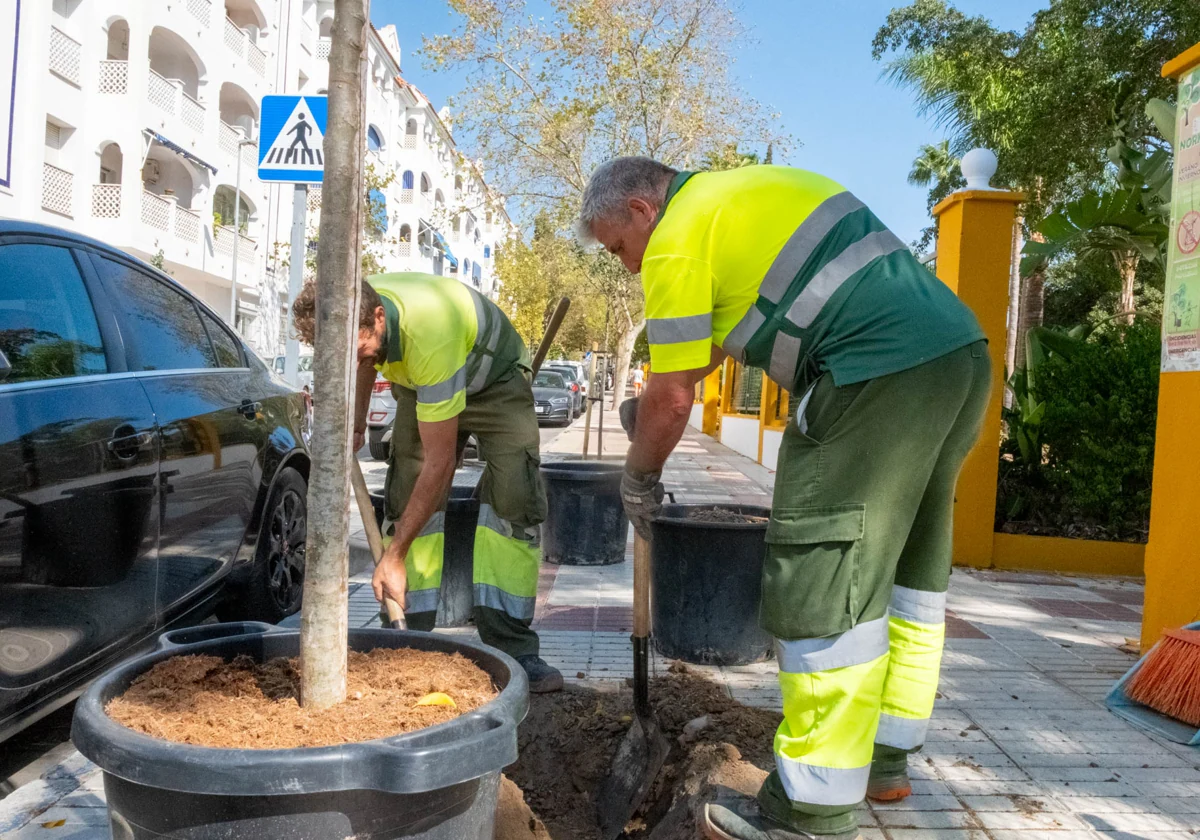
(900, 819)
(919, 802)
(936, 834)
(1023, 820)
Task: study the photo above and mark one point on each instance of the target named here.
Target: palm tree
(934, 165)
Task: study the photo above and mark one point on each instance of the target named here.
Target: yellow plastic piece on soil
(437, 698)
(54, 824)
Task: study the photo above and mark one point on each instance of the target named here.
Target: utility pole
(291, 359)
(237, 233)
(324, 620)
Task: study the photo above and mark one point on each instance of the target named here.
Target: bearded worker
(785, 270)
(457, 367)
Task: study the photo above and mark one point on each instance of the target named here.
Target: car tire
(379, 449)
(276, 581)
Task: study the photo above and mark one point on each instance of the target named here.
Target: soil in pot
(568, 740)
(243, 704)
(724, 516)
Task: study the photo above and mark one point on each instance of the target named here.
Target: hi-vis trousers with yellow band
(854, 587)
(512, 507)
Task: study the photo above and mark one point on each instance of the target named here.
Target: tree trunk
(1033, 300)
(324, 623)
(1014, 307)
(624, 353)
(1127, 265)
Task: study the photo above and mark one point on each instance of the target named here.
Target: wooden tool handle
(556, 319)
(374, 539)
(641, 586)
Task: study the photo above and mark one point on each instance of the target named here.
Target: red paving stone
(1128, 597)
(960, 628)
(614, 619)
(1096, 611)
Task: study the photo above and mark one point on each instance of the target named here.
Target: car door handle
(125, 446)
(249, 409)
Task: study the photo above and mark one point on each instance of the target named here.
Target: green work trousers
(512, 507)
(855, 580)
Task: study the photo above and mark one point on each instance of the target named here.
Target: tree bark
(1014, 306)
(1033, 300)
(1127, 265)
(624, 353)
(324, 620)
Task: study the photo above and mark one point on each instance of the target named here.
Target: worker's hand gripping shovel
(374, 538)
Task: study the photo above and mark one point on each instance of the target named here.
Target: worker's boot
(889, 775)
(543, 678)
(734, 816)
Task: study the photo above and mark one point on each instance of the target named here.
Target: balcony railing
(161, 93)
(169, 96)
(323, 48)
(106, 201)
(156, 211)
(64, 55)
(187, 224)
(406, 196)
(403, 249)
(57, 188)
(228, 138)
(113, 77)
(192, 112)
(314, 199)
(201, 10)
(410, 141)
(240, 44)
(224, 243)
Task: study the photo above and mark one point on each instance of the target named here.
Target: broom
(1169, 679)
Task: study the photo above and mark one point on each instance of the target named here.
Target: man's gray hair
(614, 183)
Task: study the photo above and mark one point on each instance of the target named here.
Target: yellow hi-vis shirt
(785, 270)
(445, 341)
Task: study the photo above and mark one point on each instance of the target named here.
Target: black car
(552, 398)
(573, 378)
(153, 471)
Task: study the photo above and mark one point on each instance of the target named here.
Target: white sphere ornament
(978, 167)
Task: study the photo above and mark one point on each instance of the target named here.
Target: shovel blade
(635, 766)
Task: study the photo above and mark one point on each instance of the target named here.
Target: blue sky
(810, 60)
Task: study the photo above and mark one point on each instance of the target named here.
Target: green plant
(158, 259)
(218, 219)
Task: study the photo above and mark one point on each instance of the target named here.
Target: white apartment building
(128, 121)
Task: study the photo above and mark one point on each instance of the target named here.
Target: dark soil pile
(568, 740)
(724, 515)
(244, 704)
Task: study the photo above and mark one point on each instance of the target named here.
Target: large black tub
(585, 521)
(457, 594)
(706, 584)
(439, 783)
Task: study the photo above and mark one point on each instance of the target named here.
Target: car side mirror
(5, 367)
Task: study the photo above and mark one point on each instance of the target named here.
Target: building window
(374, 142)
(487, 251)
(406, 180)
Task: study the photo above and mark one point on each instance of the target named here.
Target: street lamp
(237, 206)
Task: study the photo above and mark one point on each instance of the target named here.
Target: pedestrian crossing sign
(289, 142)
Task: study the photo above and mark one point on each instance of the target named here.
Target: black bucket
(706, 584)
(439, 783)
(457, 594)
(585, 521)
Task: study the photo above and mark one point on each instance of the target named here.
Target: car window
(566, 373)
(549, 380)
(279, 363)
(305, 364)
(168, 334)
(228, 354)
(47, 327)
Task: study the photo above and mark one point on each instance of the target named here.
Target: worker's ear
(380, 319)
(642, 211)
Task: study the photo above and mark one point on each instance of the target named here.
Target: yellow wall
(973, 258)
(1056, 554)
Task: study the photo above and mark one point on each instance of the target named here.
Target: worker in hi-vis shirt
(888, 373)
(457, 368)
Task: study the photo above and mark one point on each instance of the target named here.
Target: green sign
(1181, 316)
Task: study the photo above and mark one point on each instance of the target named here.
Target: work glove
(628, 412)
(642, 495)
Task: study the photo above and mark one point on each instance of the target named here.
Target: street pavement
(1021, 746)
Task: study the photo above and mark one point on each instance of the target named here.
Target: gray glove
(628, 412)
(642, 495)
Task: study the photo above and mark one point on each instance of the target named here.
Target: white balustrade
(192, 113)
(235, 38)
(257, 58)
(187, 224)
(314, 199)
(410, 141)
(113, 76)
(201, 10)
(161, 93)
(64, 55)
(403, 249)
(106, 201)
(228, 137)
(323, 48)
(156, 211)
(57, 188)
(406, 196)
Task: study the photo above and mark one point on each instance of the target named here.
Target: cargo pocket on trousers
(811, 571)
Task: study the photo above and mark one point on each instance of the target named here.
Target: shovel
(374, 538)
(643, 750)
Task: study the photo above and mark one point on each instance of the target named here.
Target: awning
(440, 240)
(179, 150)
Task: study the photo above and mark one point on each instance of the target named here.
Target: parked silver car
(380, 417)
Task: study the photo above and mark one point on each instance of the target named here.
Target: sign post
(289, 152)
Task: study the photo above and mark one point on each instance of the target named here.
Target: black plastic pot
(438, 783)
(705, 586)
(457, 594)
(585, 521)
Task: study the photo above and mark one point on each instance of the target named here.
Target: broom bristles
(1169, 679)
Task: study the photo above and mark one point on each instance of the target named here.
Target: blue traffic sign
(289, 141)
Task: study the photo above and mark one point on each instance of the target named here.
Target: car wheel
(379, 449)
(276, 582)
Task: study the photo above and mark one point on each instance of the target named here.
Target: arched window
(477, 236)
(466, 268)
(406, 180)
(374, 141)
(405, 233)
(487, 251)
(426, 184)
(457, 186)
(411, 127)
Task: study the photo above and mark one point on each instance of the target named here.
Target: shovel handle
(374, 539)
(641, 586)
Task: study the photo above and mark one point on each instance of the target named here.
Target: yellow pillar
(974, 253)
(1173, 551)
(712, 403)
